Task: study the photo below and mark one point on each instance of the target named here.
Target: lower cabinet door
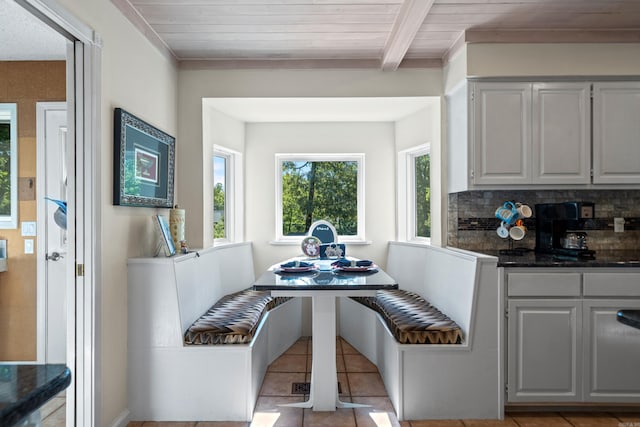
(544, 350)
(612, 352)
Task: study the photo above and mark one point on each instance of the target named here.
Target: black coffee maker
(560, 229)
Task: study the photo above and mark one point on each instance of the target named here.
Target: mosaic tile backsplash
(472, 224)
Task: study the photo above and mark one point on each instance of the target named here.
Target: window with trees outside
(228, 209)
(414, 194)
(219, 196)
(320, 187)
(422, 201)
(8, 166)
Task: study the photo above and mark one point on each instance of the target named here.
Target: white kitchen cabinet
(532, 134)
(561, 143)
(564, 342)
(521, 133)
(612, 352)
(501, 133)
(616, 133)
(545, 342)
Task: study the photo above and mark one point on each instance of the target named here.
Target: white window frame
(324, 157)
(406, 194)
(8, 113)
(234, 195)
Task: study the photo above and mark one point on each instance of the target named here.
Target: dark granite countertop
(603, 258)
(25, 388)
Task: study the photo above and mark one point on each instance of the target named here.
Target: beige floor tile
(380, 414)
(342, 380)
(289, 363)
(340, 365)
(337, 418)
(220, 424)
(359, 363)
(268, 413)
(298, 347)
(279, 383)
(507, 422)
(591, 419)
(344, 384)
(169, 424)
(629, 417)
(436, 423)
(339, 341)
(405, 424)
(135, 423)
(539, 419)
(348, 348)
(366, 384)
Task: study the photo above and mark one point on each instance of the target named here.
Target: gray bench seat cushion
(412, 319)
(233, 319)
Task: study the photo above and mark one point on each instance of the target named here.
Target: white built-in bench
(437, 381)
(171, 381)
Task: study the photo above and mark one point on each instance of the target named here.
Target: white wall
(560, 59)
(264, 140)
(136, 77)
(419, 128)
(196, 84)
(220, 129)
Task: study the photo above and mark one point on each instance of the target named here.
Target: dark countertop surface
(25, 388)
(603, 258)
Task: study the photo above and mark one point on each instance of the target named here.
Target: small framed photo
(165, 235)
(143, 163)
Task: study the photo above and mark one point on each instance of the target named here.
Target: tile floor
(361, 383)
(53, 412)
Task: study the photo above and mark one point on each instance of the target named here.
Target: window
(422, 195)
(219, 198)
(227, 195)
(414, 194)
(312, 187)
(8, 166)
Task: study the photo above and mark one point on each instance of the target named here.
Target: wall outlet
(618, 225)
(28, 246)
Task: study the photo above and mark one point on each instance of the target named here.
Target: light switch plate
(28, 228)
(618, 225)
(28, 246)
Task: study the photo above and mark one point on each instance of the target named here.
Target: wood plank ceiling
(384, 34)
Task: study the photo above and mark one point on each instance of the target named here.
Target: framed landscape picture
(143, 163)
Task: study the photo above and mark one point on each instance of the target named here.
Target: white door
(52, 237)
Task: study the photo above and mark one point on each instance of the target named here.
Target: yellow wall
(25, 83)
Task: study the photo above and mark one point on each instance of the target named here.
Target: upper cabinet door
(561, 120)
(616, 133)
(501, 133)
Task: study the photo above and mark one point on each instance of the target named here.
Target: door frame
(41, 267)
(83, 216)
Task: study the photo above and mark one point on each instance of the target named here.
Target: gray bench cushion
(412, 319)
(233, 319)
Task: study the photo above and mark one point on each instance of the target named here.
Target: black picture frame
(143, 163)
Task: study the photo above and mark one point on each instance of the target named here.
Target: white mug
(517, 232)
(503, 230)
(524, 211)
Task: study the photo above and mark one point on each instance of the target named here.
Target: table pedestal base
(324, 378)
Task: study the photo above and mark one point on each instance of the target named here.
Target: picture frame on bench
(166, 244)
